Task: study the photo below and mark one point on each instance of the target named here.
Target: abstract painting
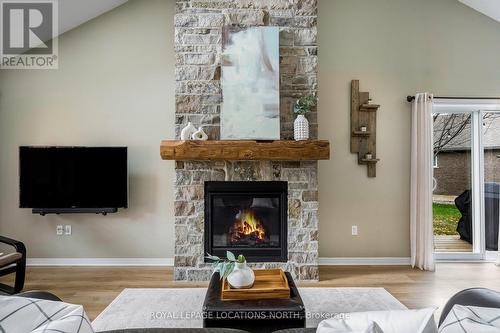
(250, 84)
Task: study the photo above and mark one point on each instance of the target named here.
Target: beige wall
(395, 48)
(114, 86)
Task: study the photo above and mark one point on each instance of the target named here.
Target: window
(452, 181)
(435, 161)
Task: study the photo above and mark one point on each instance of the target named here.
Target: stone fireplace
(199, 26)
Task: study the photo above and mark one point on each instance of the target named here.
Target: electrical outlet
(67, 229)
(354, 230)
(59, 230)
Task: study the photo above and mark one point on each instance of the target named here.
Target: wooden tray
(269, 284)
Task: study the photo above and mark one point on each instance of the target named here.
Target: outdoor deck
(444, 199)
(453, 243)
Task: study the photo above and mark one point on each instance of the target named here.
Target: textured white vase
(242, 277)
(199, 135)
(301, 128)
(188, 131)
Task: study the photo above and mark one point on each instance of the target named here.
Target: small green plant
(304, 104)
(225, 266)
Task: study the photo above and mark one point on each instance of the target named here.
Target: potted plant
(301, 125)
(235, 270)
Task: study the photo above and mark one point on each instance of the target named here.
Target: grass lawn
(445, 219)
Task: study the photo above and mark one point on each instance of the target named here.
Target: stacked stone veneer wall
(199, 26)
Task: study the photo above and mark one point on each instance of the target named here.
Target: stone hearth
(198, 37)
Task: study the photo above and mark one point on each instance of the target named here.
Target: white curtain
(421, 230)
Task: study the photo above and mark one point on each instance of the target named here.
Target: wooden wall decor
(363, 140)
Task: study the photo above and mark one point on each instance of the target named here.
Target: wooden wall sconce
(364, 128)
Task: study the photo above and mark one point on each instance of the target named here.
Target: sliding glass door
(491, 160)
(452, 182)
(466, 178)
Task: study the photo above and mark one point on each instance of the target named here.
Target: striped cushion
(30, 315)
(471, 319)
(391, 321)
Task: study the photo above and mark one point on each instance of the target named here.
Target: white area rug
(181, 307)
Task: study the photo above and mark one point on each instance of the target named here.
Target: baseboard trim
(100, 262)
(337, 261)
(364, 261)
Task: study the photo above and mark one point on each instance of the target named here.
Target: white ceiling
(72, 13)
(490, 8)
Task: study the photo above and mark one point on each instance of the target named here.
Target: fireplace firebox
(248, 218)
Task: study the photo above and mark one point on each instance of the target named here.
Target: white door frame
(490, 256)
(476, 108)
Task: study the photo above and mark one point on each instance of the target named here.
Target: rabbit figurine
(199, 135)
(188, 131)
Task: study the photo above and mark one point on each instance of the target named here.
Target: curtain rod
(411, 98)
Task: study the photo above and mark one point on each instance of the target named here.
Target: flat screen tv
(73, 179)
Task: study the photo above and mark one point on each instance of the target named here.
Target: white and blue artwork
(250, 84)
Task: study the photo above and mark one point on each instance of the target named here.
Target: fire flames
(247, 228)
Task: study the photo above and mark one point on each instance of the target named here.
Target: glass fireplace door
(241, 221)
(249, 218)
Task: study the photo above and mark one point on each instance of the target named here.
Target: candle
(363, 128)
(369, 156)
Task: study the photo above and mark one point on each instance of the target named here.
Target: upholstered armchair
(14, 262)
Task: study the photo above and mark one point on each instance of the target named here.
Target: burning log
(247, 229)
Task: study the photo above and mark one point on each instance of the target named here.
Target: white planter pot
(301, 128)
(242, 277)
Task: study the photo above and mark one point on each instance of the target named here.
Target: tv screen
(73, 177)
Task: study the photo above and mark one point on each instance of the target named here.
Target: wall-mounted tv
(73, 179)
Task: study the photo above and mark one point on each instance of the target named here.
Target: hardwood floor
(96, 287)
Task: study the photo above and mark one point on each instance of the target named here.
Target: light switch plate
(67, 229)
(59, 230)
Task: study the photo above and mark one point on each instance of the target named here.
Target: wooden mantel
(240, 150)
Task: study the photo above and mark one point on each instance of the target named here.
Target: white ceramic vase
(301, 128)
(188, 131)
(242, 277)
(199, 135)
